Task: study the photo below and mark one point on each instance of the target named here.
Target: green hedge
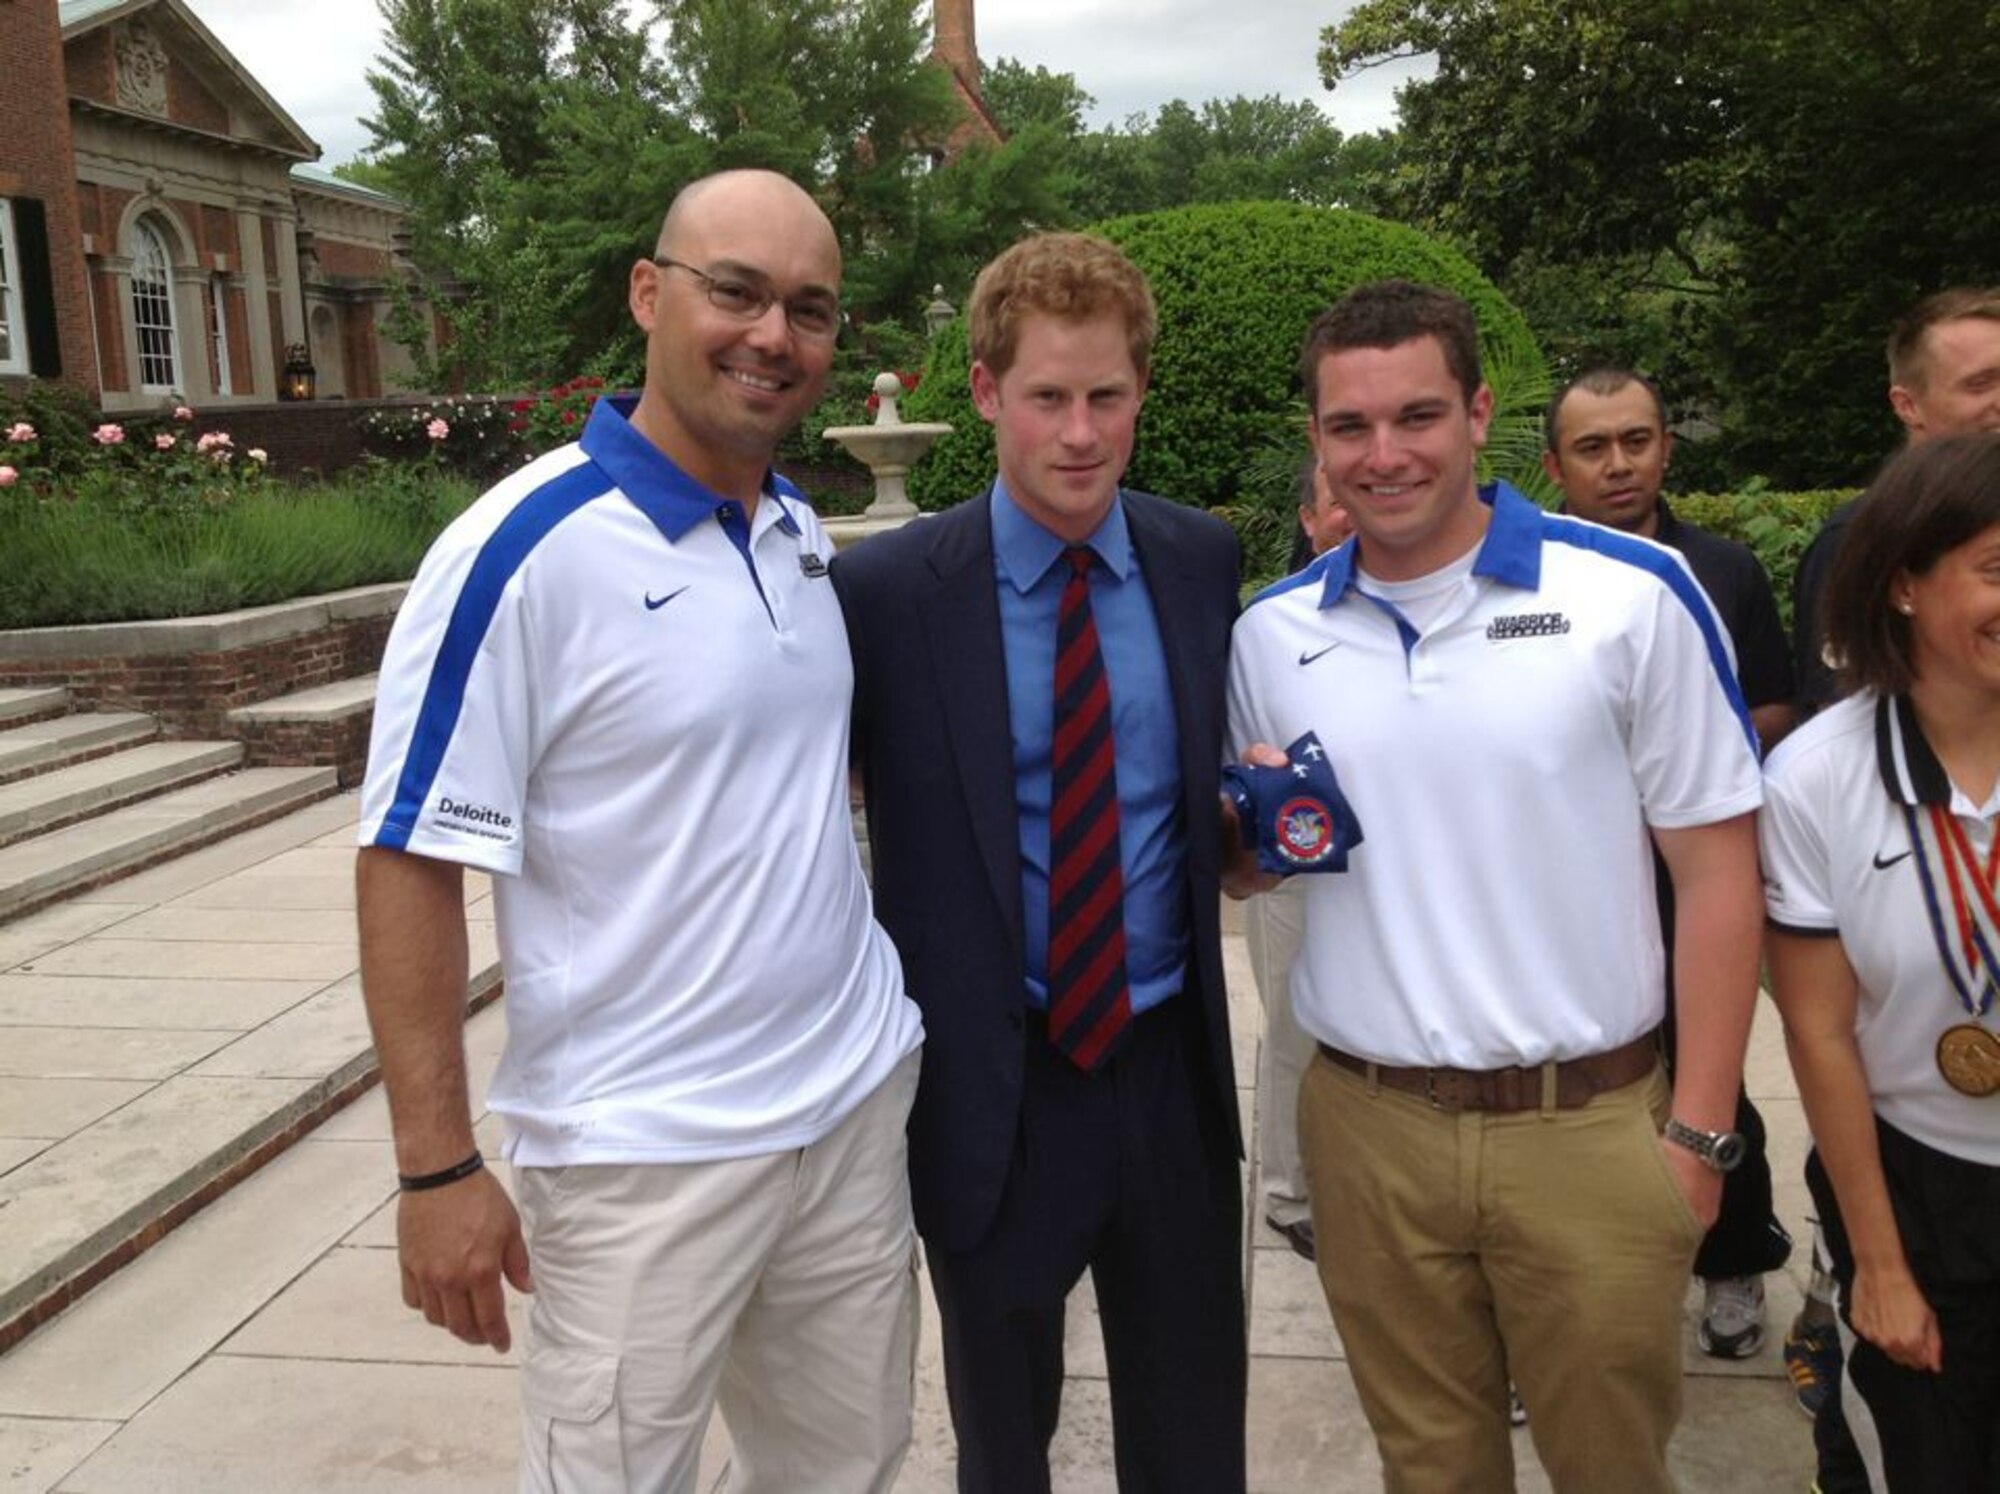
(1237, 286)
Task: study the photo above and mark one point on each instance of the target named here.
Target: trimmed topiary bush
(1237, 286)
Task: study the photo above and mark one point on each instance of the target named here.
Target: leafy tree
(370, 174)
(1742, 197)
(1227, 150)
(464, 88)
(1870, 176)
(479, 105)
(540, 140)
(1018, 97)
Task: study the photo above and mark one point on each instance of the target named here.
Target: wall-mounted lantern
(301, 378)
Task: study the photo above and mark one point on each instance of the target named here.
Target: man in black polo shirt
(1606, 445)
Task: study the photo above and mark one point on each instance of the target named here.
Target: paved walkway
(263, 1346)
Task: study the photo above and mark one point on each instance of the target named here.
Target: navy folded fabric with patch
(1294, 817)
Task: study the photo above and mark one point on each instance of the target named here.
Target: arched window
(153, 311)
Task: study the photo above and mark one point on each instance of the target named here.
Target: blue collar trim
(654, 483)
(1511, 552)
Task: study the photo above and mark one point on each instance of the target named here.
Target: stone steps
(38, 746)
(32, 703)
(163, 1036)
(340, 701)
(47, 867)
(327, 724)
(49, 801)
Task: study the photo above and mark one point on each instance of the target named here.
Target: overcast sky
(1132, 55)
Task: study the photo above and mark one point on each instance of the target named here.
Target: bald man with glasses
(613, 676)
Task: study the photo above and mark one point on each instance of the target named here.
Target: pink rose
(21, 431)
(213, 441)
(108, 434)
(258, 455)
(163, 442)
(8, 477)
(183, 414)
(437, 430)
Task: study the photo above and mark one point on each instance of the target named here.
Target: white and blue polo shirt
(1570, 689)
(632, 704)
(1839, 862)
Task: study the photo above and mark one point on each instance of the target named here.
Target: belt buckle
(1438, 1101)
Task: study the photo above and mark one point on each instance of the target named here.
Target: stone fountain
(888, 448)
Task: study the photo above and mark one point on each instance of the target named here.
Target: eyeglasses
(814, 317)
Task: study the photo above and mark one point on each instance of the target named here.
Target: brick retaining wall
(341, 745)
(191, 673)
(192, 694)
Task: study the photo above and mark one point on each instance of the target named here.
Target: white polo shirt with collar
(1506, 762)
(631, 704)
(1839, 862)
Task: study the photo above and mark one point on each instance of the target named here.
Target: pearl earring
(1908, 609)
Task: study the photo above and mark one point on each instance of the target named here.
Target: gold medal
(1969, 1058)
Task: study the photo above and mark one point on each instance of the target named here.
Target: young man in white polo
(1516, 705)
(620, 685)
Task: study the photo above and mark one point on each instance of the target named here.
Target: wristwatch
(1718, 1150)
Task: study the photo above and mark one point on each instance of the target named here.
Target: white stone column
(126, 332)
(291, 300)
(260, 379)
(196, 379)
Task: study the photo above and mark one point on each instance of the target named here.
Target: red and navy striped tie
(1090, 1002)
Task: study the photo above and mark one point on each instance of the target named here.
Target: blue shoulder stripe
(1659, 562)
(1304, 575)
(444, 696)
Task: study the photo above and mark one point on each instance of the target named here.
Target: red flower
(569, 417)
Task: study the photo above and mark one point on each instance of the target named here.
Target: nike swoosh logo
(1305, 658)
(1884, 865)
(654, 604)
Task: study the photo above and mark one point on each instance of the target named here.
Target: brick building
(955, 47)
(163, 231)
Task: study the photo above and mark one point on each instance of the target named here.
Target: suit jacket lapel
(960, 613)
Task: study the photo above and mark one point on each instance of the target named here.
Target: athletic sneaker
(1732, 1317)
(1812, 1359)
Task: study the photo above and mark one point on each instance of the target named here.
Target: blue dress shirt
(1145, 742)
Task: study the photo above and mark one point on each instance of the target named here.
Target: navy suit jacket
(933, 741)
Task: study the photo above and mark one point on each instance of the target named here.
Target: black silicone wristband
(424, 1182)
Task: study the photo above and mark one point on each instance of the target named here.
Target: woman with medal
(1880, 865)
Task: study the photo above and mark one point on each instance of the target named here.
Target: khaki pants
(1457, 1249)
(1275, 923)
(783, 1287)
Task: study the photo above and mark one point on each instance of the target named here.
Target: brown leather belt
(1560, 1084)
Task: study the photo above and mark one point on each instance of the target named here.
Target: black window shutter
(38, 292)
